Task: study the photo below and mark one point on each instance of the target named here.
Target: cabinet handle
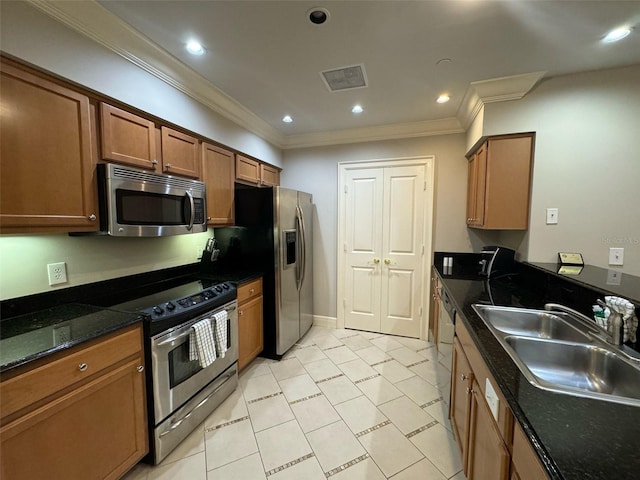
(82, 367)
(241, 312)
(154, 162)
(167, 166)
(470, 390)
(140, 368)
(463, 376)
(252, 291)
(92, 217)
(209, 219)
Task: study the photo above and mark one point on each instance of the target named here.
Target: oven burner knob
(158, 310)
(170, 306)
(218, 288)
(225, 286)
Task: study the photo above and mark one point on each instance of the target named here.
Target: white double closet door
(383, 230)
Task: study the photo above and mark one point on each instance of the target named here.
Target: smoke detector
(345, 78)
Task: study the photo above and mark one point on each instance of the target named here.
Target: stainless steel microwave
(137, 203)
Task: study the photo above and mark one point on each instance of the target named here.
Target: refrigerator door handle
(302, 263)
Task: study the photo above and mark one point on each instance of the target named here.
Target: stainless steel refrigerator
(278, 241)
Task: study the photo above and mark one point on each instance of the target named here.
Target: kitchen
(600, 103)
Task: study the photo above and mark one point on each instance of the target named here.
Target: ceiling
(267, 56)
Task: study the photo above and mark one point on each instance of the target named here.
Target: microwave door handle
(192, 210)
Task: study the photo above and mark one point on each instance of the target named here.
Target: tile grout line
(422, 429)
(237, 420)
(367, 378)
(330, 378)
(432, 402)
(383, 361)
(255, 400)
(344, 466)
(417, 363)
(372, 429)
(290, 464)
(304, 399)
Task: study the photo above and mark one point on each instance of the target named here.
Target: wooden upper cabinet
(128, 138)
(247, 170)
(218, 174)
(254, 172)
(269, 175)
(47, 156)
(180, 153)
(499, 185)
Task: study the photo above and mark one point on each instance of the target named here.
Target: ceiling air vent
(345, 78)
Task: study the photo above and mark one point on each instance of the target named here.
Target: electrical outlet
(552, 216)
(57, 273)
(616, 256)
(61, 334)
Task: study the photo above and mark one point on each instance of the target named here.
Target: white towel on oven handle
(221, 332)
(202, 343)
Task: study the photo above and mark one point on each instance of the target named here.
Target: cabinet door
(128, 138)
(46, 159)
(218, 175)
(269, 176)
(460, 408)
(250, 336)
(180, 153)
(247, 170)
(488, 457)
(95, 431)
(476, 187)
(524, 462)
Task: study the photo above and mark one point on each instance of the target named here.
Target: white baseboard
(320, 321)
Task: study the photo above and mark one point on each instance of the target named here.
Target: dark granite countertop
(575, 438)
(29, 337)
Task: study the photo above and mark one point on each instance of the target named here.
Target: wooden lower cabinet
(97, 429)
(524, 461)
(488, 455)
(460, 408)
(250, 329)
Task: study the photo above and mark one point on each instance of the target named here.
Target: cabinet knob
(252, 291)
(241, 312)
(140, 368)
(167, 166)
(154, 162)
(463, 376)
(209, 219)
(83, 367)
(92, 217)
(470, 390)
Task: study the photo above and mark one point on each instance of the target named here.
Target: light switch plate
(552, 216)
(614, 277)
(616, 256)
(492, 398)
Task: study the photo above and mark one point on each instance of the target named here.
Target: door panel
(403, 214)
(363, 235)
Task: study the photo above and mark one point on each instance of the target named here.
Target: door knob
(387, 261)
(376, 261)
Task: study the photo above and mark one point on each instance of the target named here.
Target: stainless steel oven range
(180, 393)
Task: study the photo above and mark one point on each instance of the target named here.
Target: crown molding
(425, 128)
(494, 90)
(95, 22)
(90, 19)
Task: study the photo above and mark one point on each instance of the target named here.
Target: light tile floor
(342, 404)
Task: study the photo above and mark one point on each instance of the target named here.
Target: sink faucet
(616, 325)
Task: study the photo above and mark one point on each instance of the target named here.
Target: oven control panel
(206, 295)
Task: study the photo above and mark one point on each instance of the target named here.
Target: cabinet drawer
(38, 383)
(249, 290)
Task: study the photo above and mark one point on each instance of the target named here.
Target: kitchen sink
(554, 352)
(581, 369)
(531, 323)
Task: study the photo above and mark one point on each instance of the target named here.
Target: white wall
(586, 164)
(315, 170)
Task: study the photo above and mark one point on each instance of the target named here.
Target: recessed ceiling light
(617, 34)
(357, 109)
(444, 98)
(318, 15)
(195, 48)
(287, 119)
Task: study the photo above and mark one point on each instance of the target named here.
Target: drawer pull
(140, 368)
(241, 312)
(252, 291)
(470, 390)
(83, 367)
(463, 376)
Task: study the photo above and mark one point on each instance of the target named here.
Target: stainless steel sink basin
(530, 323)
(581, 369)
(554, 352)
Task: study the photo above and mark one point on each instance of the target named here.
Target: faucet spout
(614, 339)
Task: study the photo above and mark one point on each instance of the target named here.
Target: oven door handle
(202, 402)
(188, 332)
